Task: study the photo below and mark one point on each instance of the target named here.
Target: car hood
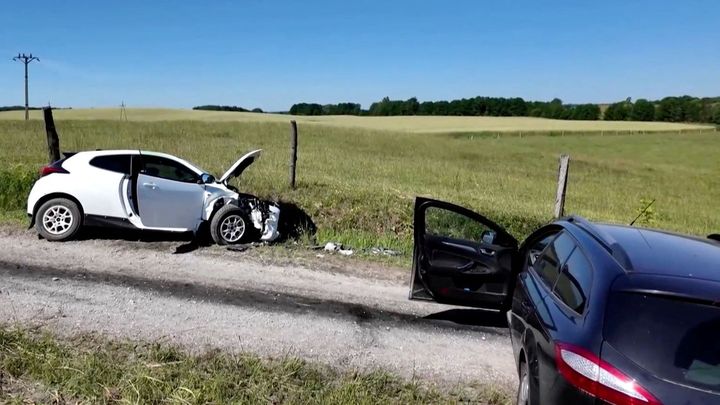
(240, 165)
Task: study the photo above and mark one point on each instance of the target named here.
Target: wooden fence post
(293, 152)
(52, 136)
(562, 186)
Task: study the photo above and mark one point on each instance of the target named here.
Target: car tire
(231, 225)
(523, 392)
(58, 219)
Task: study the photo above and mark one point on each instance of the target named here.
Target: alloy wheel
(232, 228)
(57, 219)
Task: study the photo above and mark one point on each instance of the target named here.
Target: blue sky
(271, 54)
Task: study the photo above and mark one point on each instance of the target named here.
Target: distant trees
(642, 110)
(224, 108)
(327, 109)
(306, 109)
(553, 109)
(386, 107)
(670, 109)
(618, 111)
(586, 112)
(485, 106)
(17, 108)
(342, 109)
(687, 109)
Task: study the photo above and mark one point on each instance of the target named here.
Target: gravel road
(347, 315)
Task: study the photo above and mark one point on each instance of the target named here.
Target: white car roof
(104, 152)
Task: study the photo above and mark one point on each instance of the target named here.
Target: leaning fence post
(52, 136)
(293, 152)
(561, 186)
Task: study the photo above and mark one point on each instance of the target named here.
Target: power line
(123, 112)
(26, 59)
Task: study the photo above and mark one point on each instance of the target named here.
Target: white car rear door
(100, 190)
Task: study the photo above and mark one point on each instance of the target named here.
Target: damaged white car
(147, 191)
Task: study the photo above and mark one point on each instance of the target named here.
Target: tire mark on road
(266, 300)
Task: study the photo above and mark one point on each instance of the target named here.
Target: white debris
(338, 247)
(384, 251)
(270, 232)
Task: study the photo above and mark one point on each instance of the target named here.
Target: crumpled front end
(265, 216)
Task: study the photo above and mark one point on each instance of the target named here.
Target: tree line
(327, 109)
(212, 107)
(670, 109)
(17, 108)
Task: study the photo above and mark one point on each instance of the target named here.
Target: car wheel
(230, 225)
(523, 392)
(58, 219)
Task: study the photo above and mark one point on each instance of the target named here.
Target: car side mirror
(206, 178)
(488, 237)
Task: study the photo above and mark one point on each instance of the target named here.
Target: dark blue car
(597, 313)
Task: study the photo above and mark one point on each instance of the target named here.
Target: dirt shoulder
(339, 312)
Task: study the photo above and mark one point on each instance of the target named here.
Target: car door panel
(168, 203)
(101, 188)
(460, 257)
(551, 318)
(466, 257)
(165, 203)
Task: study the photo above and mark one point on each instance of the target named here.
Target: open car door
(460, 257)
(170, 195)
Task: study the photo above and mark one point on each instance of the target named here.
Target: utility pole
(26, 59)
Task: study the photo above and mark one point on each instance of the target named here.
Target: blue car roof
(664, 253)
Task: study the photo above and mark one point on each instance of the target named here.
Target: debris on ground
(239, 248)
(384, 251)
(338, 247)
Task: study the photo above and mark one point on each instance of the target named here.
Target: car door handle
(152, 186)
(487, 252)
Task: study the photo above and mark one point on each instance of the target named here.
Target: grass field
(40, 368)
(358, 184)
(418, 124)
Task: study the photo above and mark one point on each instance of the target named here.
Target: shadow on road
(295, 223)
(92, 232)
(186, 240)
(471, 317)
(269, 301)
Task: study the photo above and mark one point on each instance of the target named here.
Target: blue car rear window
(676, 340)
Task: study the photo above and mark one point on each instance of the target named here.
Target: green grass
(15, 183)
(358, 185)
(94, 370)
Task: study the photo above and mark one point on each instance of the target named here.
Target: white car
(147, 191)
